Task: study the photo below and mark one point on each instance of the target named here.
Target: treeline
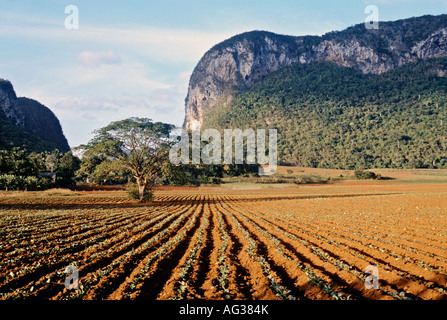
(20, 170)
(333, 117)
(98, 169)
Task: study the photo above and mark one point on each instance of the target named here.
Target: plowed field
(306, 242)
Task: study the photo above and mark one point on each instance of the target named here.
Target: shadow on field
(167, 203)
(264, 199)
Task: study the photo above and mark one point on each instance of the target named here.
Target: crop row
(215, 245)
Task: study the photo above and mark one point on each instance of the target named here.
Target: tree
(89, 163)
(110, 172)
(137, 144)
(16, 162)
(174, 174)
(67, 165)
(18, 170)
(52, 160)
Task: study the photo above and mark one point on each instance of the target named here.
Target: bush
(214, 180)
(133, 193)
(362, 175)
(30, 183)
(11, 182)
(4, 182)
(310, 178)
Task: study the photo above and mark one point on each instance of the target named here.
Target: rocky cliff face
(9, 104)
(35, 118)
(237, 63)
(233, 65)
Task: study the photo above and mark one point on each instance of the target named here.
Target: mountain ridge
(236, 64)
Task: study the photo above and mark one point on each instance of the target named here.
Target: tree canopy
(21, 170)
(138, 144)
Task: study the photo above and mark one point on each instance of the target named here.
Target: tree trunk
(141, 188)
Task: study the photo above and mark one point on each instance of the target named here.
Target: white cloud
(175, 93)
(96, 59)
(160, 44)
(95, 104)
(81, 116)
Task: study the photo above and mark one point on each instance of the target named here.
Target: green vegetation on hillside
(43, 123)
(334, 117)
(26, 123)
(12, 135)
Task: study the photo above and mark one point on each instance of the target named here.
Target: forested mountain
(28, 124)
(236, 64)
(336, 117)
(352, 98)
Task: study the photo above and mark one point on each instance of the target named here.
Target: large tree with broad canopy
(138, 144)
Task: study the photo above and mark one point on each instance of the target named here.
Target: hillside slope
(336, 117)
(27, 123)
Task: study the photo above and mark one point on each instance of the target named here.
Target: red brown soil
(306, 242)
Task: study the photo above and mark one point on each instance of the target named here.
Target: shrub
(133, 193)
(11, 182)
(310, 178)
(30, 183)
(361, 175)
(3, 182)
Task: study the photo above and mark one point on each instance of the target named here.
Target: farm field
(294, 242)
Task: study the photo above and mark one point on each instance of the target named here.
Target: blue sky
(134, 58)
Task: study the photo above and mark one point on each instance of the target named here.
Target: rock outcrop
(9, 104)
(37, 120)
(237, 63)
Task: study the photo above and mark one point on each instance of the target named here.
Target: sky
(134, 58)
